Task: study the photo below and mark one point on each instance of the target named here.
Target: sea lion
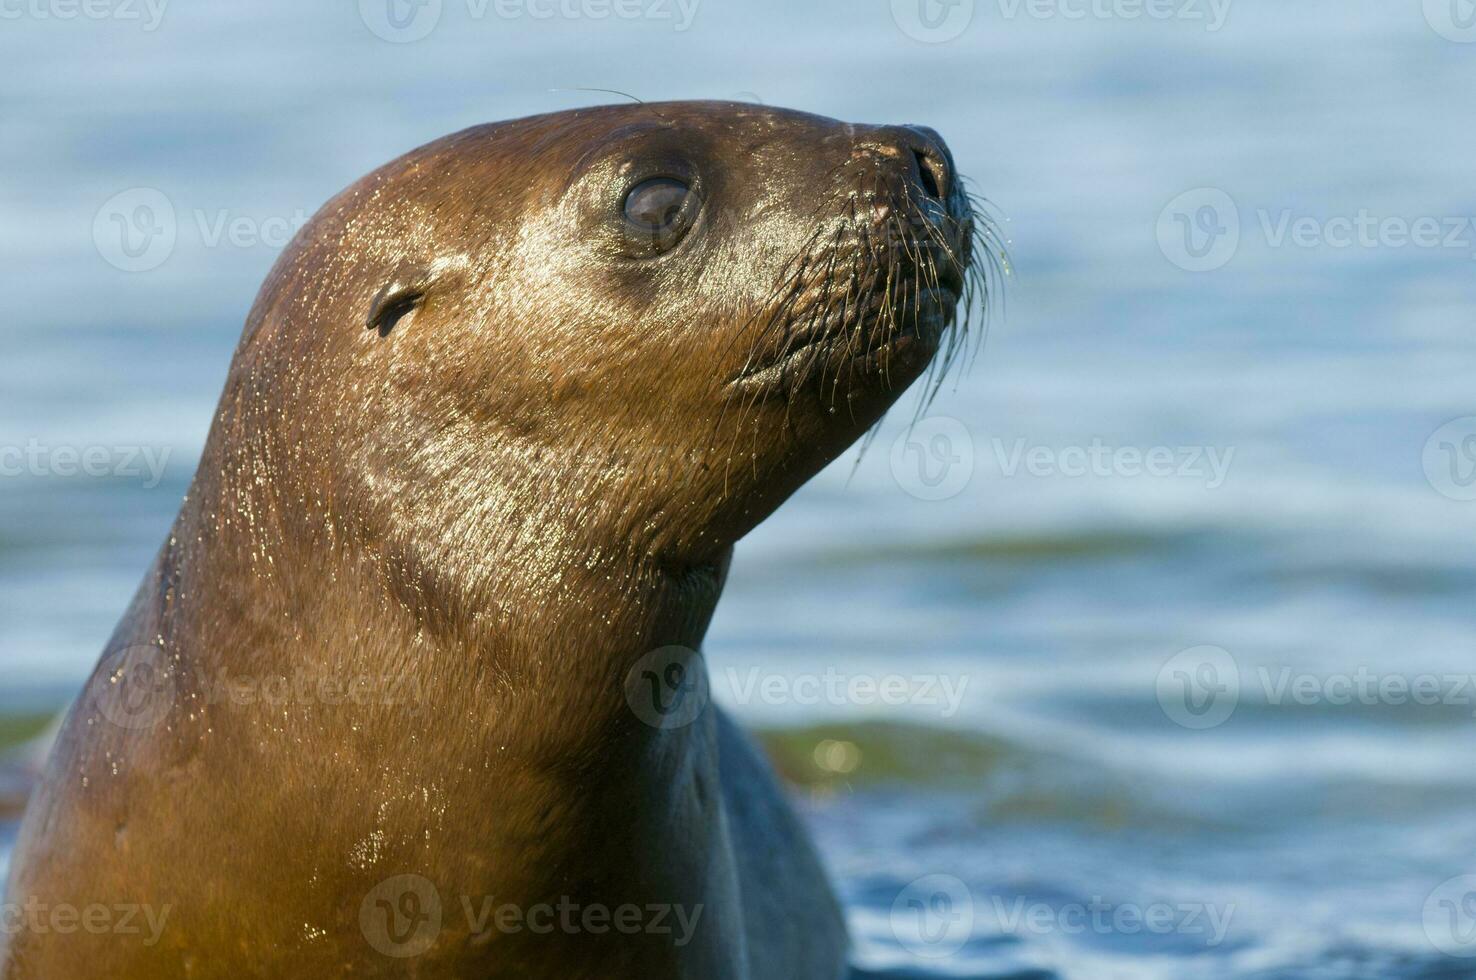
(496, 420)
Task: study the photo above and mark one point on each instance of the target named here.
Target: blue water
(1318, 833)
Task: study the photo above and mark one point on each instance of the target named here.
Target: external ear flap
(397, 300)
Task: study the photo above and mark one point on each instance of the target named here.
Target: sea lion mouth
(913, 325)
(877, 300)
(888, 279)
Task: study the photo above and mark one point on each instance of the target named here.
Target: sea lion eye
(657, 209)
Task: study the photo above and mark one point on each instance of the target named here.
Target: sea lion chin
(497, 418)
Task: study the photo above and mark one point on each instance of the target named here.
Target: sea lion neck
(542, 595)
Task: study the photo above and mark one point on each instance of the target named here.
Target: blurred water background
(1308, 521)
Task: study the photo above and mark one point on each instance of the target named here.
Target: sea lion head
(651, 321)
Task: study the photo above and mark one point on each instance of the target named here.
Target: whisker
(851, 269)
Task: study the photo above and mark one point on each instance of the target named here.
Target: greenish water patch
(1003, 781)
(45, 540)
(15, 781)
(1018, 549)
(21, 728)
(881, 752)
(1408, 580)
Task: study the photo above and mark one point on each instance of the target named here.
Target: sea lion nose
(920, 160)
(933, 166)
(922, 155)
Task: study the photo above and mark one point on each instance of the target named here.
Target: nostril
(927, 173)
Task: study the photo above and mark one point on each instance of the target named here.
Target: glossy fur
(482, 453)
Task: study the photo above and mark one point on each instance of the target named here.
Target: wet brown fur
(526, 475)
